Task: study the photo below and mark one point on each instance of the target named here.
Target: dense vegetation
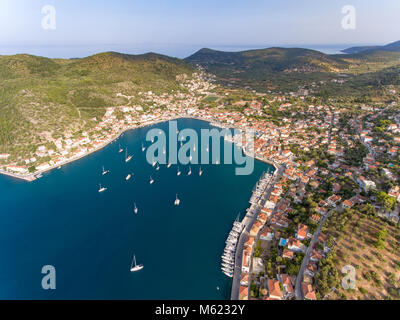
(362, 76)
(41, 97)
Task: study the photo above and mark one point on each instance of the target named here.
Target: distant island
(391, 47)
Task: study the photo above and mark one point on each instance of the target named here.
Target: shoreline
(38, 174)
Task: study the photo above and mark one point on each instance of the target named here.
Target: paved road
(330, 129)
(306, 260)
(249, 221)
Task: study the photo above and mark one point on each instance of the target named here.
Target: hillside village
(335, 159)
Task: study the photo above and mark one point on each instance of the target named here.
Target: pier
(261, 194)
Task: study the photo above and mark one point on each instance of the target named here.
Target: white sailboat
(154, 164)
(151, 180)
(143, 148)
(177, 201)
(200, 172)
(127, 158)
(136, 210)
(158, 167)
(135, 267)
(169, 165)
(179, 172)
(128, 177)
(105, 172)
(120, 150)
(102, 189)
(190, 171)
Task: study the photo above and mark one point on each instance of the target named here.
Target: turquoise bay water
(90, 238)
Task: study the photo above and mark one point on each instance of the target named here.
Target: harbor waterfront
(90, 237)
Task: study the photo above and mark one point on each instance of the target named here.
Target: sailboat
(143, 148)
(105, 172)
(154, 163)
(177, 201)
(128, 177)
(102, 189)
(190, 171)
(120, 149)
(179, 172)
(158, 167)
(169, 165)
(200, 172)
(135, 267)
(127, 158)
(136, 210)
(151, 180)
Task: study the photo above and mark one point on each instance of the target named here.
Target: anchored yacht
(127, 158)
(105, 172)
(177, 201)
(135, 267)
(102, 189)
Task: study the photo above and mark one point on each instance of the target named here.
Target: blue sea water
(90, 238)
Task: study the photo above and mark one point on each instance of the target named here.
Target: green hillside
(286, 70)
(40, 96)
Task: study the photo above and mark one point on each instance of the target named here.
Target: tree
(388, 202)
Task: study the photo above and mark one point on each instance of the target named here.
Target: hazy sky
(178, 26)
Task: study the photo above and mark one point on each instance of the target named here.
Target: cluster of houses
(271, 143)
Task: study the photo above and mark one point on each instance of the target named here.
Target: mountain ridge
(393, 46)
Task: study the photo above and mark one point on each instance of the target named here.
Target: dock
(260, 196)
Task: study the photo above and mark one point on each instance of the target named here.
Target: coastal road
(248, 222)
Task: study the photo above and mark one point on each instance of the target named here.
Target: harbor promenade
(248, 222)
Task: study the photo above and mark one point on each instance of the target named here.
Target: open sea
(90, 238)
